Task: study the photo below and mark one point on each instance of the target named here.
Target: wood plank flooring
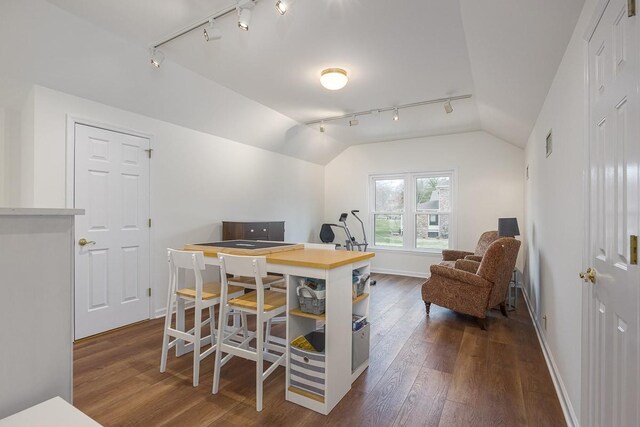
(436, 371)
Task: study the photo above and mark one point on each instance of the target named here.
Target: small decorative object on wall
(549, 144)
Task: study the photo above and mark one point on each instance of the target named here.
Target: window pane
(433, 193)
(388, 230)
(432, 231)
(389, 195)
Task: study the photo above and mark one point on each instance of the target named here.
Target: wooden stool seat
(272, 300)
(209, 291)
(267, 281)
(281, 286)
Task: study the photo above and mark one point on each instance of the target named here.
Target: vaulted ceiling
(504, 52)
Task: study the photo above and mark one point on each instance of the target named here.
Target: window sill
(428, 252)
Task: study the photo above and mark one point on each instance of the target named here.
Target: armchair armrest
(460, 276)
(453, 255)
(468, 265)
(477, 258)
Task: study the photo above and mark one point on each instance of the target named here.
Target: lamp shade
(508, 227)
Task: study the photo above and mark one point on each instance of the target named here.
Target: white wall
(554, 215)
(197, 180)
(3, 156)
(489, 180)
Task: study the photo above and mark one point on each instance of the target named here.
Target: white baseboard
(567, 409)
(424, 274)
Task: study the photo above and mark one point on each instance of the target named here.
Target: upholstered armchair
(474, 287)
(450, 256)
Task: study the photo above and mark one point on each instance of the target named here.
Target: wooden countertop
(293, 255)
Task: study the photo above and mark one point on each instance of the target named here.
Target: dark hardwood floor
(436, 371)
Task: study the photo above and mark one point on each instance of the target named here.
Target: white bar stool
(264, 304)
(203, 297)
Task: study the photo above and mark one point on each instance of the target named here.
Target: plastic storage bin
(307, 368)
(360, 347)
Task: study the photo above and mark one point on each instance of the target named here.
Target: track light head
(156, 56)
(211, 31)
(244, 13)
(396, 115)
(322, 127)
(447, 107)
(282, 6)
(354, 121)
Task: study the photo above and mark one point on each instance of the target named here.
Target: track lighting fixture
(156, 57)
(211, 31)
(244, 14)
(322, 127)
(447, 107)
(281, 7)
(395, 109)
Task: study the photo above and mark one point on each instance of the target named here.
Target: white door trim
(70, 148)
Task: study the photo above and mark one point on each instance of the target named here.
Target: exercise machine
(351, 243)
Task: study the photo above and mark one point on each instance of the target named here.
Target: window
(412, 211)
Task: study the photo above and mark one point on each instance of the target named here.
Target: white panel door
(112, 269)
(614, 146)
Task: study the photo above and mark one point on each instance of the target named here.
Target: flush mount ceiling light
(281, 7)
(447, 107)
(156, 57)
(333, 78)
(211, 31)
(244, 14)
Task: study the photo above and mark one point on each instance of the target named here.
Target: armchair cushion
(467, 265)
(476, 258)
(453, 255)
(460, 276)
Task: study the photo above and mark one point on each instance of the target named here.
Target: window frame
(411, 212)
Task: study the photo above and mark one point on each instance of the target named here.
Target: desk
(335, 267)
(51, 413)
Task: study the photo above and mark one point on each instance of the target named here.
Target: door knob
(83, 242)
(589, 275)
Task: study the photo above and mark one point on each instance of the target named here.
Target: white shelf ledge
(40, 212)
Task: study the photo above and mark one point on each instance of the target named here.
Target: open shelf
(306, 394)
(300, 313)
(360, 298)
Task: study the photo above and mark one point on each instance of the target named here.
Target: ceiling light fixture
(244, 14)
(353, 121)
(333, 78)
(396, 110)
(156, 57)
(447, 107)
(322, 127)
(211, 31)
(281, 7)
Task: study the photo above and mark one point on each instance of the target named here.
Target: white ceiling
(504, 52)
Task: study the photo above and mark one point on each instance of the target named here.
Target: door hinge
(633, 243)
(149, 151)
(149, 222)
(149, 291)
(631, 8)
